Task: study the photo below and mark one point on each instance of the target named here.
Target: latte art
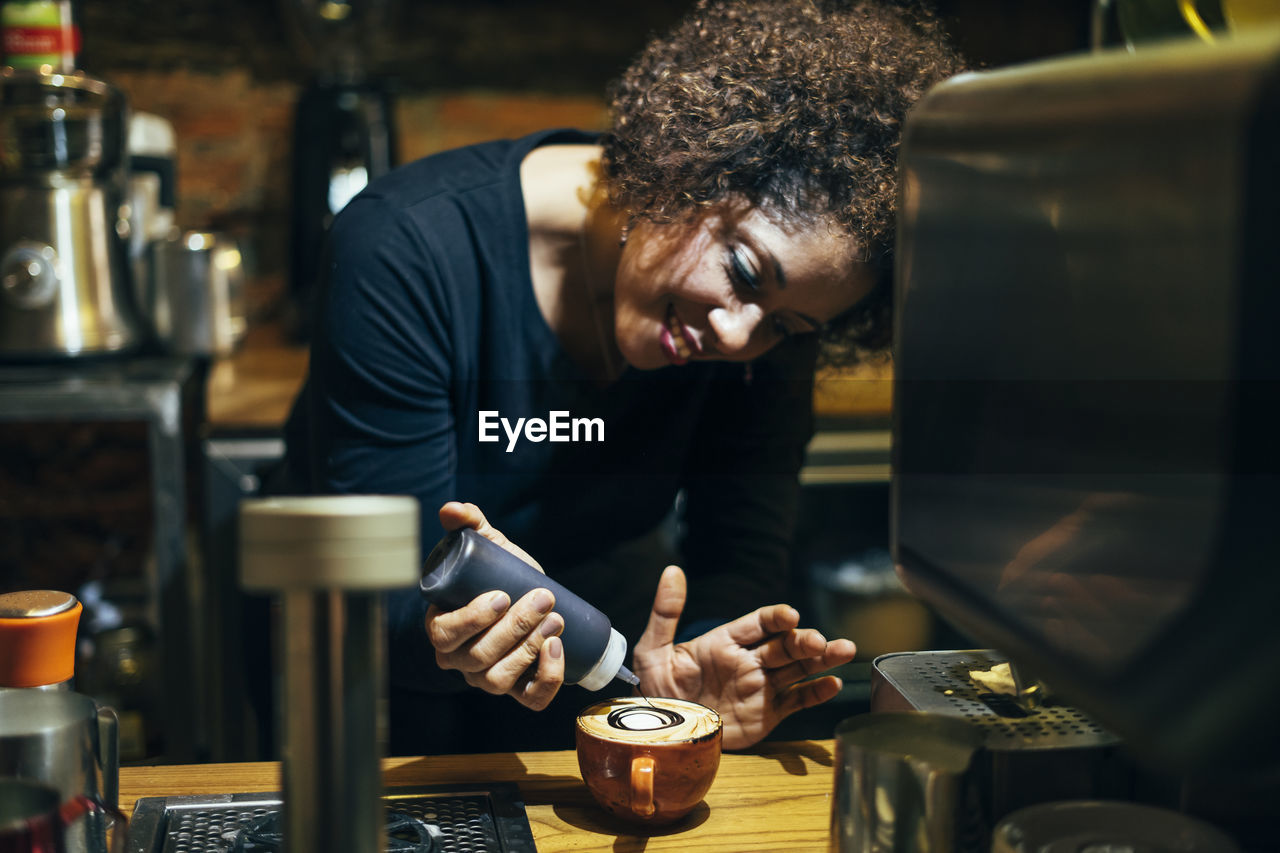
(635, 718)
(649, 720)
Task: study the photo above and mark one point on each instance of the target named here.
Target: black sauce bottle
(464, 565)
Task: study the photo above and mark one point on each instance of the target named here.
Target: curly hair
(796, 106)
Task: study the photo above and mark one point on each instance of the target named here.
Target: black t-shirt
(427, 332)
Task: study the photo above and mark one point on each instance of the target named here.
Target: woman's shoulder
(458, 171)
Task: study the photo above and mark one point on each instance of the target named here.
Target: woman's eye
(741, 273)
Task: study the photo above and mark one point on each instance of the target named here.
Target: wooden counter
(775, 798)
(254, 387)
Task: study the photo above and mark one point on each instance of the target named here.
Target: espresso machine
(1085, 471)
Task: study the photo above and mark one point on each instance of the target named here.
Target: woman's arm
(379, 404)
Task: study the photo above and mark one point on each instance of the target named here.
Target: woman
(666, 288)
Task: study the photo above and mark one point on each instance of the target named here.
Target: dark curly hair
(796, 106)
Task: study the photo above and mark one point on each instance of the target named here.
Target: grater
(425, 819)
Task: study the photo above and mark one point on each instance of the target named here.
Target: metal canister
(903, 784)
(64, 277)
(329, 559)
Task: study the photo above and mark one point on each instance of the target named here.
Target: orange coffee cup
(648, 760)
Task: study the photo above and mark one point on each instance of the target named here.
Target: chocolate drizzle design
(618, 718)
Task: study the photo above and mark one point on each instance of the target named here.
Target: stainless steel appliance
(67, 741)
(486, 818)
(195, 293)
(64, 279)
(1085, 470)
(328, 558)
(1035, 748)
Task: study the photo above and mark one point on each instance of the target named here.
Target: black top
(426, 319)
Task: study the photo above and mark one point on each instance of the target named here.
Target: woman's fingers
(799, 654)
(456, 514)
(449, 630)
(762, 623)
(668, 604)
(478, 634)
(501, 649)
(789, 647)
(505, 673)
(806, 694)
(537, 686)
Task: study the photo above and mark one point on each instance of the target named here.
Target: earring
(626, 230)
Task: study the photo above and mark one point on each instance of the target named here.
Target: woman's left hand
(751, 670)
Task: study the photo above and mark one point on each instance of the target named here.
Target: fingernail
(553, 647)
(499, 601)
(550, 626)
(543, 600)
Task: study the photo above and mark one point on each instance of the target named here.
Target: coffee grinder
(344, 131)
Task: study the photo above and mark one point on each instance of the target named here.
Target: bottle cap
(38, 637)
(610, 663)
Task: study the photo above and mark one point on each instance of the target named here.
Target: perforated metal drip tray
(939, 682)
(428, 819)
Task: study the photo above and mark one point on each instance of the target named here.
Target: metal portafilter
(329, 559)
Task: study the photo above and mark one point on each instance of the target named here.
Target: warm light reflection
(228, 259)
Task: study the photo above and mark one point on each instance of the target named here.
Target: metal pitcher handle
(109, 755)
(99, 816)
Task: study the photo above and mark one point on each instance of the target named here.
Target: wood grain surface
(254, 387)
(774, 798)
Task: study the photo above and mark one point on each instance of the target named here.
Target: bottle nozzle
(627, 676)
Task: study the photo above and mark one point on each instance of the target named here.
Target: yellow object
(1192, 16)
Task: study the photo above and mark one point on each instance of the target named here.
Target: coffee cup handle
(642, 785)
(80, 806)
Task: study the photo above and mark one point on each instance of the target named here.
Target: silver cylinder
(195, 293)
(329, 559)
(333, 665)
(68, 742)
(903, 785)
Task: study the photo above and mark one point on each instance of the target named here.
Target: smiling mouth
(678, 345)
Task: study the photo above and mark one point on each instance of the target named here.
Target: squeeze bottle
(465, 564)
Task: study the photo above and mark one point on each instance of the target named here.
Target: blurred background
(135, 513)
(228, 74)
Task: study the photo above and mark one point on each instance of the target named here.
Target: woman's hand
(750, 670)
(498, 646)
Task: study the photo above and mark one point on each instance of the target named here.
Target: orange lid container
(37, 637)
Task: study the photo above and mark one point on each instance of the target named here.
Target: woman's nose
(734, 326)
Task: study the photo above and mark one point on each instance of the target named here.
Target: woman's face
(729, 286)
